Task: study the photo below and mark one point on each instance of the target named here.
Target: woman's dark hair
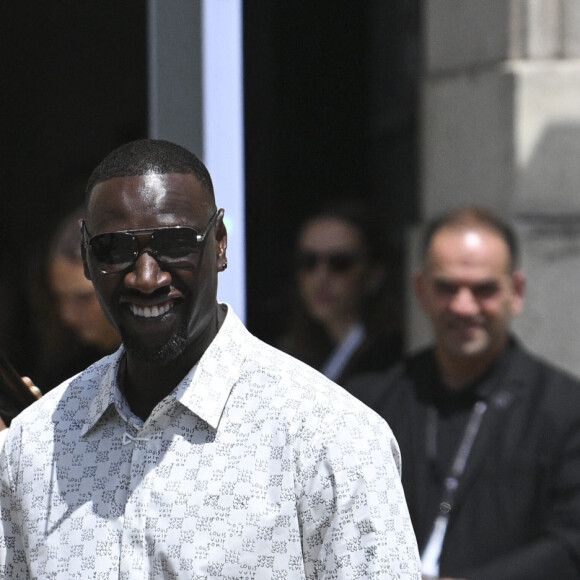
(15, 396)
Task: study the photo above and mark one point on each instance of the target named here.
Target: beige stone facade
(500, 126)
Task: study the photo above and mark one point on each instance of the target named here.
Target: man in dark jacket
(489, 434)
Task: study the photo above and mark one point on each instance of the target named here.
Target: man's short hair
(473, 217)
(149, 156)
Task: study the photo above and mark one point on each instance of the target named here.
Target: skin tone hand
(33, 388)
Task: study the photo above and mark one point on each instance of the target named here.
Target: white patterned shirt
(255, 466)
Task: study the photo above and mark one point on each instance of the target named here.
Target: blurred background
(413, 106)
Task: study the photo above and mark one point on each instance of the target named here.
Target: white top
(255, 466)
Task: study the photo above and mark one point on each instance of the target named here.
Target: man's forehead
(478, 252)
(468, 241)
(151, 183)
(150, 179)
(160, 198)
(469, 232)
(147, 189)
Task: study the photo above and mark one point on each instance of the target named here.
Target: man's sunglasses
(175, 247)
(337, 262)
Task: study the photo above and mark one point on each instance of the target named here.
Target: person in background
(87, 334)
(16, 392)
(489, 433)
(339, 326)
(195, 450)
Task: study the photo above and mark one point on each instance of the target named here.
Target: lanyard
(341, 355)
(451, 482)
(432, 551)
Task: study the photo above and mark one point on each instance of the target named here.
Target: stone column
(500, 126)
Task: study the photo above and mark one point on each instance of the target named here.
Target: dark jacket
(517, 509)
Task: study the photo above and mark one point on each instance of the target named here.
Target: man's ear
(519, 290)
(221, 239)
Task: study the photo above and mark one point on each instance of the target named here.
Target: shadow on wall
(549, 181)
(547, 210)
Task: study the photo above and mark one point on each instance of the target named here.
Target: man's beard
(164, 354)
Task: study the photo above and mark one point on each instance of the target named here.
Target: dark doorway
(330, 112)
(74, 87)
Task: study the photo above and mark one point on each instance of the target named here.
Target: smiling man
(195, 450)
(489, 435)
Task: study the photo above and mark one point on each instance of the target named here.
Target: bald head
(472, 218)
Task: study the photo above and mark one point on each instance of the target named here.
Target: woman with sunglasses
(16, 393)
(339, 326)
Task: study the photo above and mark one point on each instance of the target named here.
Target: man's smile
(151, 311)
(465, 326)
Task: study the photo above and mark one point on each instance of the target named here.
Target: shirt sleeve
(12, 558)
(352, 509)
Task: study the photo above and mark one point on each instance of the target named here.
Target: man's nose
(464, 302)
(147, 275)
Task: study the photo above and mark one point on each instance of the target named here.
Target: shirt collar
(483, 388)
(108, 392)
(204, 390)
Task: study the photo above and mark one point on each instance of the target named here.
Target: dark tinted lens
(117, 251)
(340, 262)
(174, 243)
(114, 248)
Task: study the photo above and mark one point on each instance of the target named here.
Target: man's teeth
(150, 311)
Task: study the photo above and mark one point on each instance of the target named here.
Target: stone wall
(500, 126)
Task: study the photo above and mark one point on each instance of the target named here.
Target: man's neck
(146, 383)
(458, 372)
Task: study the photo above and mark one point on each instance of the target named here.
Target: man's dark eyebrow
(445, 284)
(444, 281)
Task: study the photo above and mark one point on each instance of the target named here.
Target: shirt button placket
(133, 551)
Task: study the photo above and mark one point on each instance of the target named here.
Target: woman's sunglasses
(337, 262)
